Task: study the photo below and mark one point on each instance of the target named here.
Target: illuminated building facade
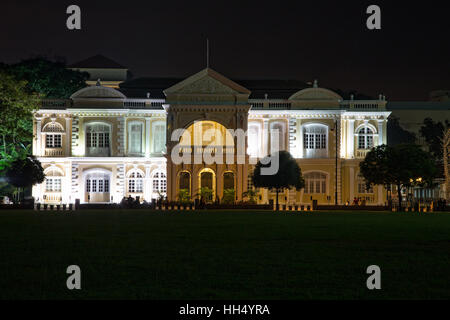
(100, 145)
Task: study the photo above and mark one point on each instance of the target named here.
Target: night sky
(303, 40)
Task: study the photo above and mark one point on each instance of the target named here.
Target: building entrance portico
(201, 110)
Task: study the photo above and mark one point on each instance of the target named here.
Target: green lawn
(224, 255)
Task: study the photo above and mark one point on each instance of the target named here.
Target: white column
(147, 184)
(68, 139)
(67, 184)
(265, 144)
(301, 141)
(147, 137)
(380, 132)
(37, 152)
(352, 184)
(351, 138)
(380, 195)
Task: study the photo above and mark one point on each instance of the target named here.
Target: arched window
(159, 136)
(315, 182)
(53, 134)
(135, 182)
(53, 180)
(228, 180)
(135, 137)
(159, 182)
(97, 139)
(277, 140)
(365, 138)
(185, 181)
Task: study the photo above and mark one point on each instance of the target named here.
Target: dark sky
(303, 40)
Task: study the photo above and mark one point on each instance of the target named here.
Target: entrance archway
(207, 184)
(97, 185)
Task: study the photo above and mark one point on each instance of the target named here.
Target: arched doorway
(97, 185)
(184, 186)
(207, 184)
(229, 191)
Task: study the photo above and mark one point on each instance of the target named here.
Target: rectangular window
(88, 185)
(139, 185)
(100, 185)
(53, 185)
(135, 137)
(94, 185)
(53, 141)
(49, 185)
(88, 140)
(131, 186)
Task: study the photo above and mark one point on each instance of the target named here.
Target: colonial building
(101, 146)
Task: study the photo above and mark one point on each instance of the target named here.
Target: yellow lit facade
(100, 146)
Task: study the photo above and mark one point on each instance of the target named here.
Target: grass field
(224, 255)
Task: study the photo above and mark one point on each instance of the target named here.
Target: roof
(96, 92)
(222, 84)
(274, 88)
(418, 105)
(97, 62)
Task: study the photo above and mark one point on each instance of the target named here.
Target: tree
(25, 172)
(251, 194)
(396, 134)
(445, 156)
(228, 196)
(50, 79)
(433, 132)
(289, 174)
(402, 165)
(16, 126)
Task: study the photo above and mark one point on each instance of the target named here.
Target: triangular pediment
(204, 82)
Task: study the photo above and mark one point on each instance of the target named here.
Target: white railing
(55, 103)
(259, 104)
(54, 152)
(361, 153)
(52, 197)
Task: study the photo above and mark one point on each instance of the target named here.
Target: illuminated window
(53, 141)
(135, 182)
(97, 184)
(315, 182)
(97, 139)
(159, 182)
(53, 184)
(135, 138)
(159, 137)
(277, 137)
(365, 138)
(253, 140)
(315, 137)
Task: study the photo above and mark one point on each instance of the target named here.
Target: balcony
(361, 153)
(54, 152)
(52, 197)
